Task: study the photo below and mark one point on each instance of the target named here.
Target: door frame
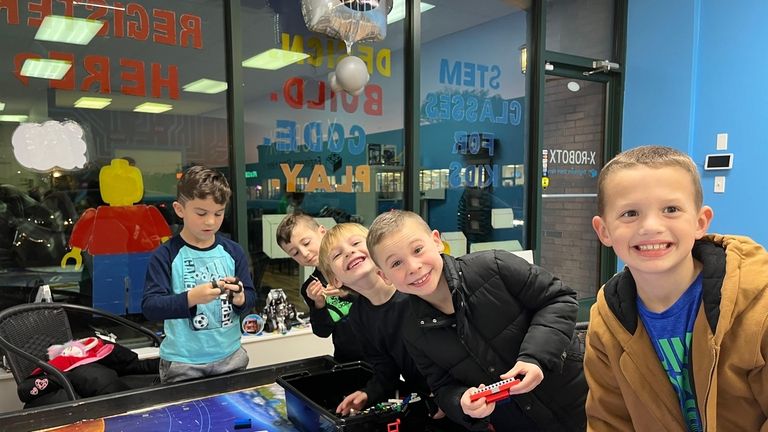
(572, 66)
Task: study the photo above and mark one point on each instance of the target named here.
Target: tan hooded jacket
(629, 390)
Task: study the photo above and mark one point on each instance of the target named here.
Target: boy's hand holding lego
(234, 288)
(209, 291)
(356, 401)
(316, 292)
(532, 377)
(478, 408)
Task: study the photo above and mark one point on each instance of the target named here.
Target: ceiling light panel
(71, 30)
(274, 59)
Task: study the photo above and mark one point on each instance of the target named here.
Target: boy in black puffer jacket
(482, 318)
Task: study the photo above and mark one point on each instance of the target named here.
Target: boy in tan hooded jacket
(679, 339)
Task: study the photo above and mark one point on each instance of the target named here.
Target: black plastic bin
(312, 398)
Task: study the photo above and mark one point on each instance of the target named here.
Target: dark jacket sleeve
(446, 389)
(159, 302)
(243, 272)
(386, 372)
(322, 323)
(553, 305)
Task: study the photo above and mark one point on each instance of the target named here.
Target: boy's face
(304, 246)
(202, 219)
(410, 259)
(350, 262)
(651, 220)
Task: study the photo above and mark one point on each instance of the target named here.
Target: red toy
(494, 392)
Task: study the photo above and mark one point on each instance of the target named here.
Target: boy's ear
(383, 276)
(321, 229)
(438, 241)
(602, 231)
(702, 223)
(179, 209)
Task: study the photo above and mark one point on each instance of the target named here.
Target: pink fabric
(76, 353)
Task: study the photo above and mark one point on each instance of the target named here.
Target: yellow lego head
(120, 183)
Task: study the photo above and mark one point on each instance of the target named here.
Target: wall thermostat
(718, 161)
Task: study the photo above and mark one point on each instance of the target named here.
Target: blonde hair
(333, 237)
(389, 222)
(650, 156)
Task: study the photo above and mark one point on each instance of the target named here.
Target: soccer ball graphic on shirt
(200, 321)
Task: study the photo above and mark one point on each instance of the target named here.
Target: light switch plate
(722, 141)
(719, 184)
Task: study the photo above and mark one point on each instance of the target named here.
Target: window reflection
(473, 116)
(145, 89)
(328, 154)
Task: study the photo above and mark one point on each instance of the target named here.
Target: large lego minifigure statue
(120, 236)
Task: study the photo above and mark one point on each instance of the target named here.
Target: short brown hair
(389, 222)
(650, 156)
(289, 223)
(333, 237)
(199, 182)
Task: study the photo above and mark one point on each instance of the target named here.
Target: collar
(621, 291)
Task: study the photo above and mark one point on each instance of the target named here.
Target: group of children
(678, 340)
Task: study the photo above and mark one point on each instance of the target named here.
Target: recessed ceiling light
(153, 108)
(45, 68)
(398, 10)
(92, 102)
(13, 118)
(274, 59)
(64, 29)
(205, 85)
(2, 106)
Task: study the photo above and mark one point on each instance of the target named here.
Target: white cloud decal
(49, 145)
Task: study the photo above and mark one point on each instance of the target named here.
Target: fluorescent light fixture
(153, 108)
(92, 102)
(13, 118)
(205, 85)
(71, 30)
(2, 106)
(274, 59)
(398, 10)
(45, 68)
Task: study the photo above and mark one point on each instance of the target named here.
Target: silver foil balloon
(349, 20)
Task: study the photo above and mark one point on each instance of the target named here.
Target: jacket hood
(735, 261)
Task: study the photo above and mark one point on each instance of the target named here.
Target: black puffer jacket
(505, 310)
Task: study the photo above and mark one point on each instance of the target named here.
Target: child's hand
(331, 290)
(233, 286)
(532, 377)
(354, 402)
(202, 294)
(478, 408)
(315, 291)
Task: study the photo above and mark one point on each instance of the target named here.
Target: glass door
(574, 134)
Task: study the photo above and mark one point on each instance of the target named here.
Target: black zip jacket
(506, 310)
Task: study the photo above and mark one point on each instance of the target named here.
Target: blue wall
(694, 69)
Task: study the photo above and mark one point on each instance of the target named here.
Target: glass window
(581, 27)
(327, 153)
(473, 115)
(88, 107)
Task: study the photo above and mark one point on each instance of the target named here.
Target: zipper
(705, 420)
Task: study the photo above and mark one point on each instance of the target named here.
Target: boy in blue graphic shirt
(679, 339)
(200, 284)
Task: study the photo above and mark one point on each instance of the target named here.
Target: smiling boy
(481, 318)
(375, 317)
(299, 235)
(679, 339)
